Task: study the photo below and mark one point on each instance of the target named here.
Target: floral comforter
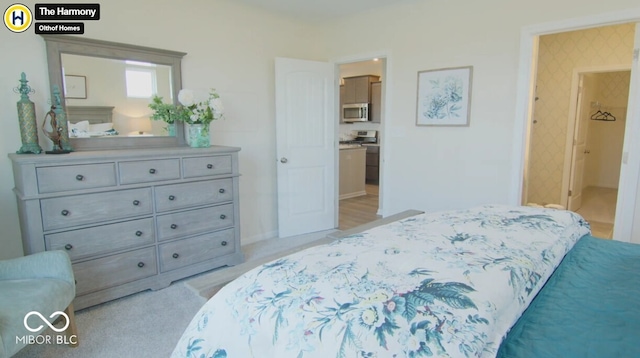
(442, 284)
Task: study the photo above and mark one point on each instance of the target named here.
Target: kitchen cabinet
(352, 172)
(358, 89)
(373, 164)
(376, 102)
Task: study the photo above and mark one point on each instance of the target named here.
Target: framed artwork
(75, 86)
(444, 97)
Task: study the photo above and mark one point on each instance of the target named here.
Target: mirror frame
(64, 44)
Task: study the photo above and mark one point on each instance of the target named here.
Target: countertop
(351, 147)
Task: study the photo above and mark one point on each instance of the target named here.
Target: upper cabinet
(358, 89)
(376, 102)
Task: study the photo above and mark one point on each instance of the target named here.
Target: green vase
(198, 136)
(171, 129)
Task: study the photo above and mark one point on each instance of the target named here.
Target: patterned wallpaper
(559, 54)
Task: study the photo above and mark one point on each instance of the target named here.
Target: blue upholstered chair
(42, 282)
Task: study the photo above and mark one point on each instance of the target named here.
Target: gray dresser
(131, 220)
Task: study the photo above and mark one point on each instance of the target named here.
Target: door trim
(525, 94)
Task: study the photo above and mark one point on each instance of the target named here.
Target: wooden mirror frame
(74, 45)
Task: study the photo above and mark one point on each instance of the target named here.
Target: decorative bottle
(27, 119)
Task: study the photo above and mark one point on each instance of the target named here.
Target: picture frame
(75, 86)
(444, 97)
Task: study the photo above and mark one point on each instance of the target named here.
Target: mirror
(102, 101)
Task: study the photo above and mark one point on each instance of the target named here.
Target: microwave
(355, 112)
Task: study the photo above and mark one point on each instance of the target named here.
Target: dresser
(131, 220)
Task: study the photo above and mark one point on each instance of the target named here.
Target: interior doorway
(596, 154)
(360, 146)
(577, 122)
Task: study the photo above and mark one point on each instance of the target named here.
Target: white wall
(229, 46)
(432, 168)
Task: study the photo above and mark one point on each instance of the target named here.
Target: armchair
(42, 283)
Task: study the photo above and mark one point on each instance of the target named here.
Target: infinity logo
(54, 314)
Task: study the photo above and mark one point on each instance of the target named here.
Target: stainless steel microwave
(355, 112)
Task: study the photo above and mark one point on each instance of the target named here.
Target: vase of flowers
(166, 112)
(198, 113)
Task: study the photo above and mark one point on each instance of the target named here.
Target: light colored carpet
(146, 324)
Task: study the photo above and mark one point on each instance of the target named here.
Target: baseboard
(352, 195)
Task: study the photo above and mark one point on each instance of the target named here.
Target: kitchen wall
(222, 52)
(559, 55)
(360, 68)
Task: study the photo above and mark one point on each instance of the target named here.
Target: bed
(441, 284)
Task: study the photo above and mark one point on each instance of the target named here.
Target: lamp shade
(139, 126)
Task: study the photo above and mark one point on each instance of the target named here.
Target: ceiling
(320, 9)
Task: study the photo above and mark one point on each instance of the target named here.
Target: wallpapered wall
(559, 55)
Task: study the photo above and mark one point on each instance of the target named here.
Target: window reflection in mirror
(127, 86)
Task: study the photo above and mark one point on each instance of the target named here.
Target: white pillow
(82, 126)
(100, 127)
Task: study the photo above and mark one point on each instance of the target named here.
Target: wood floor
(359, 210)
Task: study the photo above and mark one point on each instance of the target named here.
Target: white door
(579, 150)
(305, 131)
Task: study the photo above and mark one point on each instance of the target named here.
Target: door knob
(283, 160)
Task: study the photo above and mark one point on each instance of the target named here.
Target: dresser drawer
(191, 222)
(75, 210)
(75, 177)
(114, 270)
(205, 166)
(181, 196)
(102, 239)
(145, 171)
(177, 254)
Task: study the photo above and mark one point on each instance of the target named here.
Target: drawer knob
(175, 255)
(138, 233)
(65, 212)
(174, 226)
(223, 216)
(209, 166)
(68, 247)
(152, 171)
(224, 243)
(79, 177)
(136, 202)
(141, 264)
(221, 191)
(171, 197)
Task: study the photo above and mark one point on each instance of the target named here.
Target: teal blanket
(590, 307)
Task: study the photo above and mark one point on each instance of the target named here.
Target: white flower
(186, 97)
(216, 107)
(200, 107)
